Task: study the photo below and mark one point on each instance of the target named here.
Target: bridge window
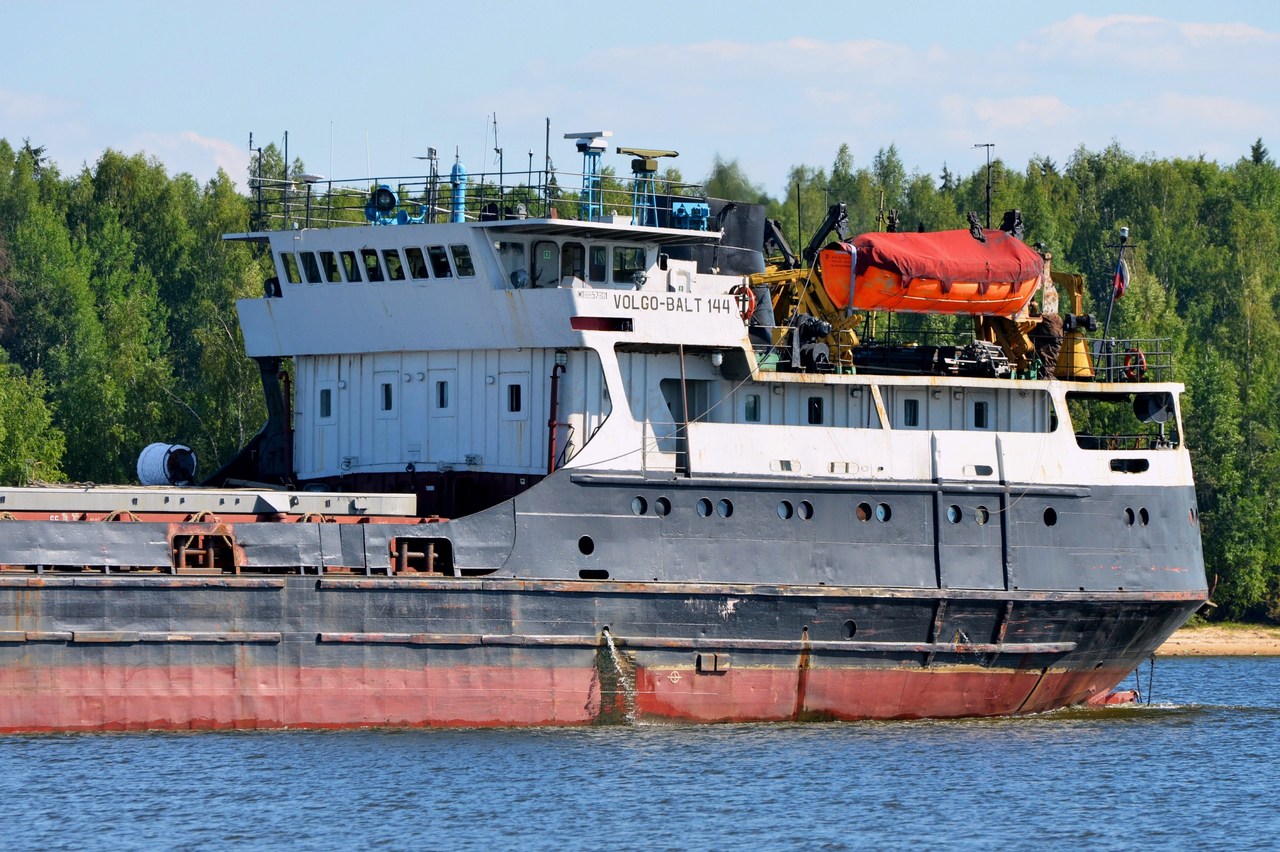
(599, 262)
(573, 258)
(352, 266)
(417, 263)
(372, 269)
(290, 265)
(439, 262)
(628, 261)
(310, 267)
(395, 271)
(330, 263)
(511, 255)
(462, 261)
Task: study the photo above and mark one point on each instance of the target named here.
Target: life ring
(746, 299)
(1135, 365)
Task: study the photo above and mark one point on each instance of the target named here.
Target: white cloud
(18, 108)
(1146, 43)
(1029, 112)
(188, 151)
(1208, 114)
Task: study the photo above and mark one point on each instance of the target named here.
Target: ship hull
(308, 652)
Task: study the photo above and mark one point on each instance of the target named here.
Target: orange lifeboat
(945, 272)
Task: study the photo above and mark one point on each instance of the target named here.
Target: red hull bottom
(222, 697)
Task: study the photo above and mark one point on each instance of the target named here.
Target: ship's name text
(673, 303)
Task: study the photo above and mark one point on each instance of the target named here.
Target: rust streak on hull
(244, 697)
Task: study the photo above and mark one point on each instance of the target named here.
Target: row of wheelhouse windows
(354, 267)
(551, 264)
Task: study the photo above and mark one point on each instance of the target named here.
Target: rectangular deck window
(385, 394)
(372, 269)
(911, 413)
(628, 262)
(311, 267)
(511, 256)
(329, 261)
(751, 408)
(462, 261)
(815, 411)
(326, 403)
(395, 271)
(599, 263)
(417, 263)
(351, 266)
(980, 420)
(290, 265)
(439, 262)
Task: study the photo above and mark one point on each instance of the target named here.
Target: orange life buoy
(746, 299)
(1135, 365)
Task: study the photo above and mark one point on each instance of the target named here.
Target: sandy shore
(1234, 640)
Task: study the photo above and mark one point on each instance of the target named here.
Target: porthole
(1050, 516)
(704, 507)
(785, 510)
(662, 507)
(1143, 516)
(862, 511)
(586, 546)
(639, 506)
(1128, 517)
(954, 515)
(849, 629)
(883, 513)
(805, 510)
(724, 508)
(982, 515)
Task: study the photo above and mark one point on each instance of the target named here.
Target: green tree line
(117, 317)
(118, 324)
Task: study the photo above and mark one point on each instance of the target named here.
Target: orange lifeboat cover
(946, 272)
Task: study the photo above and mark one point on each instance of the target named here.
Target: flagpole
(1106, 327)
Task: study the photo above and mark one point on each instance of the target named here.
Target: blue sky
(364, 87)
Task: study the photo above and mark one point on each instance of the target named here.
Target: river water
(1198, 767)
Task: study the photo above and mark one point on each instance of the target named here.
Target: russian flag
(1122, 279)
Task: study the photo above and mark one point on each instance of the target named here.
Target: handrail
(481, 196)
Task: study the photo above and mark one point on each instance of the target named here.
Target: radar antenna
(644, 194)
(591, 144)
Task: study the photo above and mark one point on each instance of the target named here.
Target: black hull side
(105, 653)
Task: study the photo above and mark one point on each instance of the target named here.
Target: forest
(118, 323)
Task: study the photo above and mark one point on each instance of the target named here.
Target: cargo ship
(620, 455)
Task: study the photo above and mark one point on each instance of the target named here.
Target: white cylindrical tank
(166, 464)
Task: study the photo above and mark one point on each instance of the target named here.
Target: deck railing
(312, 202)
(1132, 360)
